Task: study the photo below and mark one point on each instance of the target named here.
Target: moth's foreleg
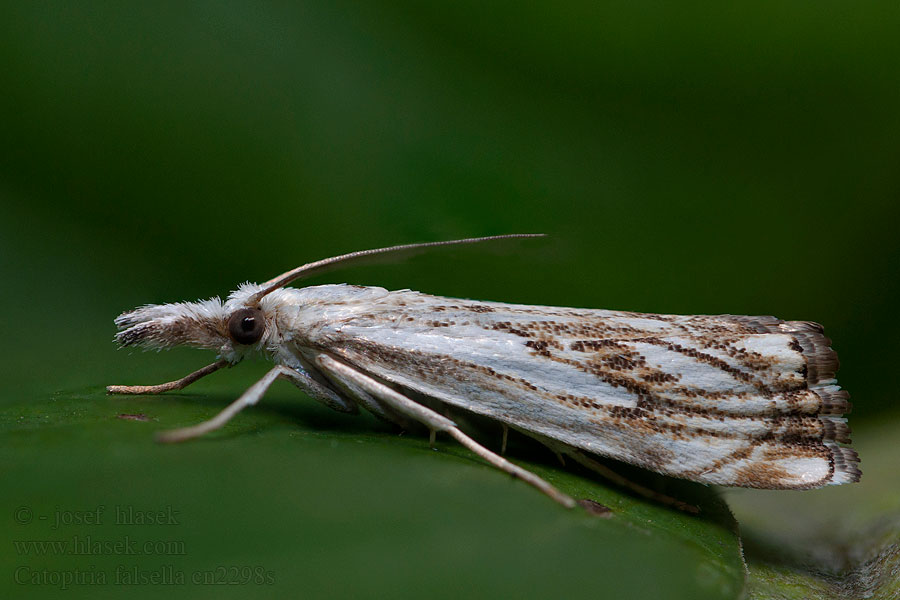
(248, 398)
(167, 387)
(406, 407)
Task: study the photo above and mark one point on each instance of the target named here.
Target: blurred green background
(683, 158)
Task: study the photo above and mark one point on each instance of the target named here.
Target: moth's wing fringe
(836, 429)
(835, 401)
(822, 364)
(846, 464)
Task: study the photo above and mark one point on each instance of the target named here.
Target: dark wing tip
(822, 362)
(821, 367)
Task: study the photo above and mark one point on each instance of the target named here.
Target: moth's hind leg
(380, 409)
(434, 421)
(178, 384)
(607, 473)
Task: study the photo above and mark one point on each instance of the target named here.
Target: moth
(732, 400)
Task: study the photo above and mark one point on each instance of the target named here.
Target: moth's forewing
(732, 400)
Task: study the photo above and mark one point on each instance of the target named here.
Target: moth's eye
(246, 326)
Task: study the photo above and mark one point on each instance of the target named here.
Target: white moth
(730, 400)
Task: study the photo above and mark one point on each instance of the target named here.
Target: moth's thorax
(296, 315)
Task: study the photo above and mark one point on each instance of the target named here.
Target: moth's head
(231, 328)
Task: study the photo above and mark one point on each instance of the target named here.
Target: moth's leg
(167, 387)
(317, 391)
(373, 405)
(403, 405)
(595, 466)
(248, 398)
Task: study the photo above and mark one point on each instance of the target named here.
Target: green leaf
(336, 506)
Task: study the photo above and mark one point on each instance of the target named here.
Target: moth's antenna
(326, 264)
